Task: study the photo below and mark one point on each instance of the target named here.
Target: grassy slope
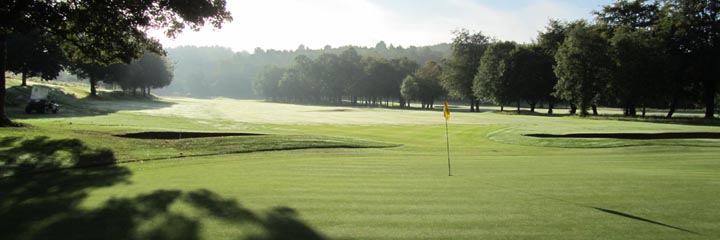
(504, 185)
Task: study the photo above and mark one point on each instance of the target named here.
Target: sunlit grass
(504, 185)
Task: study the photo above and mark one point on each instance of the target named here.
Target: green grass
(504, 185)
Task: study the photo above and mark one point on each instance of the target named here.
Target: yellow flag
(446, 111)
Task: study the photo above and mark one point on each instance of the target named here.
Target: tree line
(635, 55)
(351, 78)
(219, 71)
(37, 54)
(88, 34)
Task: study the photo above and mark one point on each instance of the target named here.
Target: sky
(285, 24)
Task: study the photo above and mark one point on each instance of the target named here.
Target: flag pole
(446, 114)
(447, 140)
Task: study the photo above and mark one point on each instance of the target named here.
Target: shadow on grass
(692, 121)
(636, 136)
(70, 105)
(622, 214)
(183, 135)
(46, 181)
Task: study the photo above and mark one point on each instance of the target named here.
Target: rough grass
(504, 185)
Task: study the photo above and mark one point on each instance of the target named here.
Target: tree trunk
(673, 105)
(551, 104)
(24, 77)
(584, 109)
(643, 111)
(594, 109)
(4, 120)
(709, 96)
(93, 87)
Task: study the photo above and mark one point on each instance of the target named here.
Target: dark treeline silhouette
(218, 71)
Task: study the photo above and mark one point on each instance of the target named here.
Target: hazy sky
(285, 24)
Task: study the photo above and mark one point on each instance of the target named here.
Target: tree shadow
(70, 105)
(41, 199)
(633, 217)
(635, 136)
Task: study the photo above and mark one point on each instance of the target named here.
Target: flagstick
(447, 139)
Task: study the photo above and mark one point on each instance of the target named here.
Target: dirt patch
(181, 135)
(641, 136)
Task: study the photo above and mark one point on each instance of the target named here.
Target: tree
(102, 32)
(548, 43)
(380, 79)
(267, 82)
(299, 83)
(636, 52)
(583, 67)
(692, 28)
(34, 54)
(530, 74)
(95, 73)
(492, 81)
(148, 72)
(327, 71)
(466, 51)
(428, 79)
(640, 69)
(401, 68)
(410, 89)
(351, 69)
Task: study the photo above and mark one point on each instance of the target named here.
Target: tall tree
(267, 82)
(531, 74)
(549, 41)
(583, 67)
(351, 68)
(34, 54)
(492, 81)
(636, 52)
(150, 71)
(466, 50)
(103, 32)
(96, 73)
(401, 68)
(410, 90)
(693, 30)
(424, 84)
